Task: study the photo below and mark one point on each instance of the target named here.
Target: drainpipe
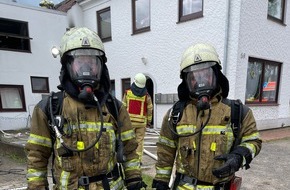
(226, 42)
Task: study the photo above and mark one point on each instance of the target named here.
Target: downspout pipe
(226, 40)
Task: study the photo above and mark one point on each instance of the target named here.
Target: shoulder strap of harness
(236, 119)
(54, 100)
(57, 100)
(177, 111)
(235, 115)
(113, 106)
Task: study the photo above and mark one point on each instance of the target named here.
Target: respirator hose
(59, 135)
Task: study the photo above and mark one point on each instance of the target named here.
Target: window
(126, 84)
(262, 81)
(12, 98)
(39, 84)
(190, 9)
(104, 24)
(112, 90)
(276, 10)
(14, 35)
(141, 15)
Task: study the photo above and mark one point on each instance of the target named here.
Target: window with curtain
(276, 10)
(14, 35)
(104, 24)
(12, 98)
(140, 15)
(190, 9)
(263, 78)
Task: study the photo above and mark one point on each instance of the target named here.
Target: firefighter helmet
(198, 54)
(81, 38)
(140, 80)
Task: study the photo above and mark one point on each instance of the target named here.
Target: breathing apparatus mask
(85, 67)
(201, 82)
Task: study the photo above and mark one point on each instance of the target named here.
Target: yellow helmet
(140, 80)
(198, 54)
(77, 38)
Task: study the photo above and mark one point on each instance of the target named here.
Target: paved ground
(269, 171)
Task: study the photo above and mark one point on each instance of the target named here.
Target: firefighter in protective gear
(139, 105)
(83, 145)
(201, 143)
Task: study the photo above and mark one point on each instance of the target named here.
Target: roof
(65, 5)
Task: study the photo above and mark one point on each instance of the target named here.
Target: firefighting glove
(231, 165)
(135, 184)
(160, 185)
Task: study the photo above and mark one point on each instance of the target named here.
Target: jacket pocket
(68, 163)
(186, 154)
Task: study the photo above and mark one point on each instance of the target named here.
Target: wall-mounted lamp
(54, 51)
(144, 60)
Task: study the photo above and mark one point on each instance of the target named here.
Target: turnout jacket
(140, 108)
(80, 130)
(194, 155)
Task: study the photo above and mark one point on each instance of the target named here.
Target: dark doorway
(150, 89)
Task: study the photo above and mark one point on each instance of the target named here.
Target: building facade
(251, 38)
(27, 69)
(149, 36)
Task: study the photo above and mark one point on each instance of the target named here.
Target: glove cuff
(245, 153)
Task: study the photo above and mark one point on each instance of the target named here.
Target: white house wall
(262, 38)
(238, 29)
(46, 27)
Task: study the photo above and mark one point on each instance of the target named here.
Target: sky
(35, 2)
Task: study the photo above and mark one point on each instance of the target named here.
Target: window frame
(113, 87)
(188, 17)
(39, 91)
(99, 19)
(264, 63)
(21, 38)
(20, 89)
(125, 82)
(282, 20)
(134, 28)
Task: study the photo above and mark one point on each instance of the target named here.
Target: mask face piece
(200, 80)
(85, 67)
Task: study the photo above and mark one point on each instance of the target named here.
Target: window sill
(141, 31)
(261, 104)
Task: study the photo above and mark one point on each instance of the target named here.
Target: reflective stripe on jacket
(81, 128)
(195, 153)
(139, 108)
